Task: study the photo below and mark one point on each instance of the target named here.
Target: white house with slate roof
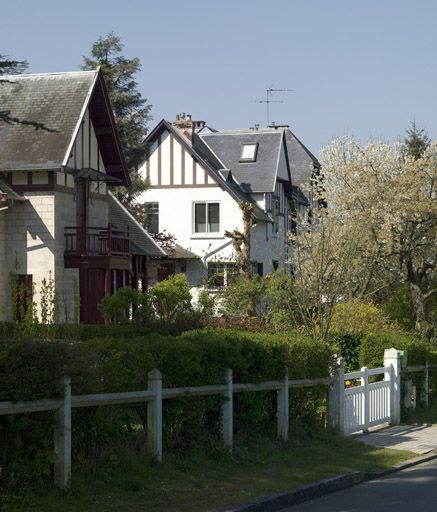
(57, 215)
(199, 176)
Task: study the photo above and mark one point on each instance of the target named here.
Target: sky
(361, 68)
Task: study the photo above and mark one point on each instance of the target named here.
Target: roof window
(249, 152)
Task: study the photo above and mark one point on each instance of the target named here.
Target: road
(411, 490)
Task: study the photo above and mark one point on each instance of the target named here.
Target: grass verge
(207, 483)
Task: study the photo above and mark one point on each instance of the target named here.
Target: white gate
(366, 398)
(368, 404)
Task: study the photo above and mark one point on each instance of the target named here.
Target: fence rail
(153, 398)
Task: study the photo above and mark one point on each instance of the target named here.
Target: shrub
(357, 318)
(171, 298)
(127, 305)
(243, 297)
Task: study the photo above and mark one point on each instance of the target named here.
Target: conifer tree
(416, 141)
(131, 111)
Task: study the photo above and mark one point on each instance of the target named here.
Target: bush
(358, 318)
(243, 297)
(373, 346)
(171, 298)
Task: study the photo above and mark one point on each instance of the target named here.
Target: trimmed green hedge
(33, 369)
(373, 346)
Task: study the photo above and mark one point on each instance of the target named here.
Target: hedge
(32, 370)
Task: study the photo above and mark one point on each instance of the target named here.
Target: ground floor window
(221, 273)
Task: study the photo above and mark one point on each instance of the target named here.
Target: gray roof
(56, 100)
(301, 161)
(178, 252)
(258, 176)
(141, 241)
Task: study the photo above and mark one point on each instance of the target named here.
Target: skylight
(249, 152)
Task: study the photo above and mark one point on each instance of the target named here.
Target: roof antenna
(268, 100)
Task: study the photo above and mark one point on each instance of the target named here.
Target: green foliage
(121, 362)
(373, 346)
(171, 298)
(348, 346)
(399, 308)
(127, 306)
(131, 110)
(416, 141)
(358, 318)
(49, 301)
(243, 297)
(283, 312)
(206, 304)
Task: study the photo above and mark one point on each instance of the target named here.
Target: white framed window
(206, 217)
(221, 273)
(249, 152)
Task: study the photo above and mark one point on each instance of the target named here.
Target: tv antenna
(268, 100)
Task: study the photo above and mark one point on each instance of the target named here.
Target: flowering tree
(381, 195)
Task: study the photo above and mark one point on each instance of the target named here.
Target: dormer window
(249, 152)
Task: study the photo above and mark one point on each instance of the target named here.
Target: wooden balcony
(95, 241)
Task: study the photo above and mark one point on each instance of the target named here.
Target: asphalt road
(411, 490)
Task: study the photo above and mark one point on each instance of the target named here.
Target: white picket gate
(369, 402)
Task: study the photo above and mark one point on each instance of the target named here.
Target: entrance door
(91, 293)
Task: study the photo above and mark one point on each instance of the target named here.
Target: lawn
(207, 483)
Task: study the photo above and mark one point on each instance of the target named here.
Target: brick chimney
(184, 123)
(187, 126)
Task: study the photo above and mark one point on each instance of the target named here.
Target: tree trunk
(418, 306)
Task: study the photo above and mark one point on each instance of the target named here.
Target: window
(221, 274)
(275, 207)
(249, 152)
(206, 217)
(257, 268)
(152, 217)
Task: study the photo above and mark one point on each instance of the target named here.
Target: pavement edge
(277, 502)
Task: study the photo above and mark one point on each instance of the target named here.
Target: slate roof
(258, 176)
(141, 242)
(301, 161)
(58, 101)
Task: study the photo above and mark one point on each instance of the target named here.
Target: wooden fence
(153, 397)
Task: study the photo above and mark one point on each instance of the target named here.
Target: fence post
(366, 398)
(62, 469)
(336, 398)
(227, 411)
(282, 408)
(154, 414)
(392, 359)
(426, 383)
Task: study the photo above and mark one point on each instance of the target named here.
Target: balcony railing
(95, 241)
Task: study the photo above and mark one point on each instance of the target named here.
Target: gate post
(392, 359)
(336, 398)
(366, 399)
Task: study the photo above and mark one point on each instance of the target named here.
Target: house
(199, 176)
(58, 217)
